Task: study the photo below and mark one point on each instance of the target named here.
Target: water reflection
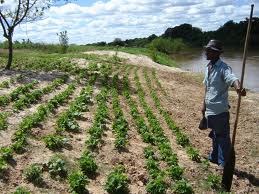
(196, 61)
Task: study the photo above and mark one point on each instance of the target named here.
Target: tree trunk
(10, 55)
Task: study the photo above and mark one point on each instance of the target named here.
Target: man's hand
(239, 90)
(242, 91)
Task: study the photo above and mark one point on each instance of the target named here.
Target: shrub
(166, 45)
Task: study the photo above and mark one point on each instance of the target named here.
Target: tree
(63, 40)
(21, 11)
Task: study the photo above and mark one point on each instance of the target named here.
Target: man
(218, 78)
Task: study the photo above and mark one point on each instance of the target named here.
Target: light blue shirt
(217, 84)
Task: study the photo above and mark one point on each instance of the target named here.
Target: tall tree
(15, 12)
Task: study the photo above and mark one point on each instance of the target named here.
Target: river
(195, 61)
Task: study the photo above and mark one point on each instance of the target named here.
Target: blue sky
(90, 21)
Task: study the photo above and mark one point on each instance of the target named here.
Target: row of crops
(100, 87)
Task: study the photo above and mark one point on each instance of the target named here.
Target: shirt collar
(216, 64)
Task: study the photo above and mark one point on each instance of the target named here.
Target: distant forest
(232, 34)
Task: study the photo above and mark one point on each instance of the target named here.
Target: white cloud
(104, 21)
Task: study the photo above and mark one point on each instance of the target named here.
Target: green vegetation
(3, 121)
(57, 167)
(87, 164)
(33, 173)
(21, 190)
(117, 181)
(77, 181)
(55, 142)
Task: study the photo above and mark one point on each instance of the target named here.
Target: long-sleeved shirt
(217, 80)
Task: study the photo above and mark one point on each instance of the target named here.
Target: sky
(88, 21)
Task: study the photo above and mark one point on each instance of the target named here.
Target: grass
(74, 50)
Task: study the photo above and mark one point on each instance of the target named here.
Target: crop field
(98, 124)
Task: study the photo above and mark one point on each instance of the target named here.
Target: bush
(167, 46)
(175, 172)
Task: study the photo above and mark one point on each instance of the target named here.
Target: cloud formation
(105, 21)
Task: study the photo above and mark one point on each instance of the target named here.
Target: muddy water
(196, 61)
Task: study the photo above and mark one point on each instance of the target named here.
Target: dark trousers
(220, 135)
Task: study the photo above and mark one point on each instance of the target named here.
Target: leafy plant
(148, 152)
(3, 121)
(182, 187)
(193, 154)
(175, 172)
(33, 173)
(157, 186)
(4, 100)
(117, 181)
(182, 139)
(54, 141)
(213, 181)
(3, 165)
(87, 164)
(4, 84)
(77, 181)
(6, 153)
(21, 190)
(57, 167)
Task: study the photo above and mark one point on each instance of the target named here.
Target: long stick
(242, 75)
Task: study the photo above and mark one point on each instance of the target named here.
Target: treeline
(232, 34)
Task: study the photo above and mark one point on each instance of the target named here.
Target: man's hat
(215, 45)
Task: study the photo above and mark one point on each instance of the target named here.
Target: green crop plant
(175, 172)
(4, 84)
(33, 173)
(21, 190)
(182, 139)
(148, 152)
(157, 185)
(182, 187)
(117, 181)
(213, 181)
(77, 182)
(193, 154)
(55, 142)
(6, 153)
(87, 164)
(57, 167)
(4, 100)
(3, 166)
(3, 121)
